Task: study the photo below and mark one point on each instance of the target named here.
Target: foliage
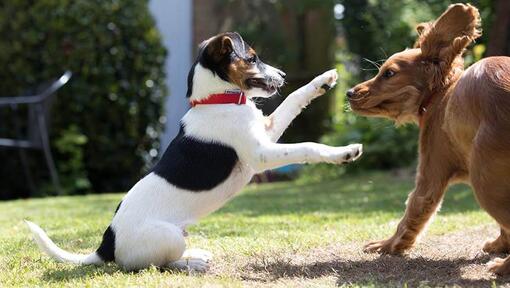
(371, 31)
(70, 146)
(375, 29)
(107, 119)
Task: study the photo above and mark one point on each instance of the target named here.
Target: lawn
(284, 235)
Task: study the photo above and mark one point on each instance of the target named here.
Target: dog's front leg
(421, 205)
(281, 118)
(274, 155)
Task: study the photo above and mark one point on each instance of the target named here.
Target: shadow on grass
(386, 270)
(362, 194)
(63, 274)
(83, 272)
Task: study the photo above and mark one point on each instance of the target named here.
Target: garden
(305, 226)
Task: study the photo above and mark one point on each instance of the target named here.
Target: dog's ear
(220, 46)
(447, 37)
(421, 29)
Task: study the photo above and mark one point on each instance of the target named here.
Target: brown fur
(239, 70)
(464, 119)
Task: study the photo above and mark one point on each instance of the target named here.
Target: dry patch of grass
(453, 259)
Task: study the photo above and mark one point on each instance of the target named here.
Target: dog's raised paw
(356, 151)
(345, 154)
(353, 152)
(325, 81)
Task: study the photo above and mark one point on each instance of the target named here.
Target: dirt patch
(448, 260)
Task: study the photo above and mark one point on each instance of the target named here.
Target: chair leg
(23, 158)
(47, 151)
(26, 171)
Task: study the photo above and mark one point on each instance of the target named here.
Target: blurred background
(129, 60)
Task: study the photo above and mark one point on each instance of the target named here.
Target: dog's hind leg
(500, 266)
(160, 244)
(281, 118)
(152, 242)
(499, 245)
(489, 173)
(193, 259)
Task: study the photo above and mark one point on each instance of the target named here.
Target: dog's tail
(46, 245)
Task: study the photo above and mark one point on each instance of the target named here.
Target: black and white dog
(224, 140)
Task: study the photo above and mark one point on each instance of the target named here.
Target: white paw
(345, 154)
(325, 81)
(196, 253)
(190, 265)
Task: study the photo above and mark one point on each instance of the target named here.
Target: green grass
(263, 220)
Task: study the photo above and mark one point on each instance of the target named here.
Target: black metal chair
(37, 127)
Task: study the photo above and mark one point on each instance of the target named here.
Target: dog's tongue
(257, 82)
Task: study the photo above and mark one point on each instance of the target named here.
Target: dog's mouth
(359, 102)
(363, 106)
(268, 85)
(384, 109)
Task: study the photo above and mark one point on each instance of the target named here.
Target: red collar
(421, 113)
(424, 106)
(228, 97)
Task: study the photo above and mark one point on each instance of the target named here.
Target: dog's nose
(282, 74)
(350, 93)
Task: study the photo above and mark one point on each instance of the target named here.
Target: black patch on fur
(219, 68)
(190, 80)
(195, 165)
(118, 207)
(106, 250)
(219, 65)
(326, 87)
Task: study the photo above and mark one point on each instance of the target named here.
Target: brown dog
(464, 119)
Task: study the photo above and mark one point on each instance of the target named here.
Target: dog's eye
(388, 73)
(252, 59)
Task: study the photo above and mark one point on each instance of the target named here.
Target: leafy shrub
(372, 31)
(105, 123)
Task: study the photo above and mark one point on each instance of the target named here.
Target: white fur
(45, 244)
(206, 83)
(154, 213)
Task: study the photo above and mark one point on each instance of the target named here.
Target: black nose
(350, 93)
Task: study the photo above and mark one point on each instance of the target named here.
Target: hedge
(106, 122)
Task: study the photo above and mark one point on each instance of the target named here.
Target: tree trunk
(499, 35)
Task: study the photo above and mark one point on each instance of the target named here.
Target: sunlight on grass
(263, 219)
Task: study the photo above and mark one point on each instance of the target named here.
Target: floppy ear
(220, 46)
(445, 39)
(421, 29)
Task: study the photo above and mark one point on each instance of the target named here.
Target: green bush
(373, 30)
(106, 122)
